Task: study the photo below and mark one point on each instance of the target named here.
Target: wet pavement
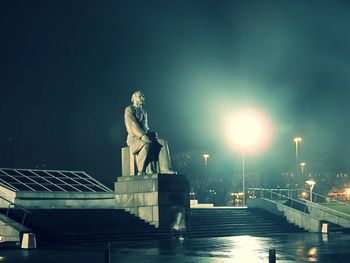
(295, 247)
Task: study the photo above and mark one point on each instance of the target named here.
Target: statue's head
(138, 98)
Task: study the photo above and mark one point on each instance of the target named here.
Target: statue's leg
(152, 168)
(141, 158)
(164, 158)
(152, 157)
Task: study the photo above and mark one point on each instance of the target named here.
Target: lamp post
(206, 179)
(311, 183)
(245, 131)
(206, 157)
(297, 141)
(243, 178)
(302, 165)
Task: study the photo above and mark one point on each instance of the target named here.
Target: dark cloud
(69, 68)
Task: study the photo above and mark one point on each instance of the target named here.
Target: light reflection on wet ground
(298, 247)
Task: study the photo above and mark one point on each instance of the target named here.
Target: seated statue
(144, 143)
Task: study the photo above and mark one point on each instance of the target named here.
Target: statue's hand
(152, 135)
(145, 138)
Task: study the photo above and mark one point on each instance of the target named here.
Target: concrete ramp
(305, 214)
(324, 213)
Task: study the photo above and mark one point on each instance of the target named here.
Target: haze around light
(249, 130)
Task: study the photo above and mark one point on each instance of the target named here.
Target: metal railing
(301, 194)
(13, 205)
(297, 198)
(289, 197)
(275, 194)
(326, 200)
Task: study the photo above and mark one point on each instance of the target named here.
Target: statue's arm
(153, 134)
(146, 122)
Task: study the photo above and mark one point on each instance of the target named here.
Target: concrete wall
(6, 194)
(265, 204)
(326, 214)
(10, 230)
(64, 200)
(301, 219)
(56, 199)
(8, 233)
(154, 198)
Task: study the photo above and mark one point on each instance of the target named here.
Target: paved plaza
(295, 247)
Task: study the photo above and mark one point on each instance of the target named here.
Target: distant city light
(346, 193)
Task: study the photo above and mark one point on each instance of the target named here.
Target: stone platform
(155, 198)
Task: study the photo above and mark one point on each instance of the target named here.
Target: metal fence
(297, 194)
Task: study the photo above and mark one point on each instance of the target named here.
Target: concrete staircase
(214, 222)
(78, 226)
(83, 226)
(333, 228)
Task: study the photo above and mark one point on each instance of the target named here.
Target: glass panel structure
(50, 181)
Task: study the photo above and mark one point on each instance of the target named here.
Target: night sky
(68, 69)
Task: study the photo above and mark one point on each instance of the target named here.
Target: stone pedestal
(154, 198)
(128, 162)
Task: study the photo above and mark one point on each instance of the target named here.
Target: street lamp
(206, 179)
(206, 157)
(297, 180)
(246, 130)
(301, 179)
(311, 183)
(297, 141)
(302, 165)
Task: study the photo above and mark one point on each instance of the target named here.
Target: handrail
(271, 194)
(331, 211)
(330, 198)
(296, 192)
(11, 204)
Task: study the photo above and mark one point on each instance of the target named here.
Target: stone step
(57, 226)
(240, 232)
(102, 237)
(226, 222)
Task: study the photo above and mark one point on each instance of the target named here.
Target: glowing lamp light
(347, 193)
(311, 183)
(206, 157)
(250, 130)
(297, 139)
(246, 130)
